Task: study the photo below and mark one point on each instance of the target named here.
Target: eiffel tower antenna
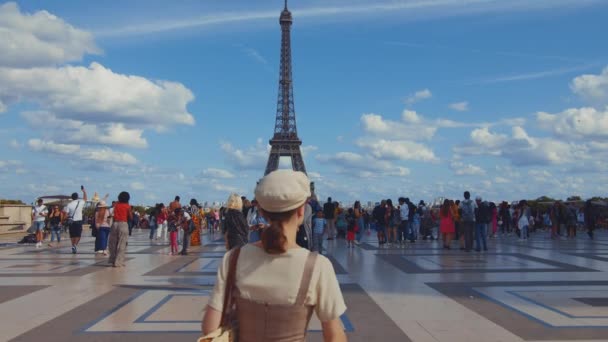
(285, 142)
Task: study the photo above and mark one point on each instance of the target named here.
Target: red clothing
(161, 217)
(350, 236)
(121, 212)
(446, 225)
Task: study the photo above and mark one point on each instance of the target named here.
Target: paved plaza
(539, 290)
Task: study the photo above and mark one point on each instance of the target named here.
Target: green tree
(574, 198)
(9, 201)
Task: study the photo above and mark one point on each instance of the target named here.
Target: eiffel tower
(285, 142)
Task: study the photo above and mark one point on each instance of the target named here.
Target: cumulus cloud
(75, 151)
(97, 94)
(407, 130)
(418, 96)
(397, 150)
(576, 123)
(592, 87)
(80, 132)
(363, 166)
(40, 39)
(218, 173)
(460, 106)
(462, 169)
(522, 149)
(252, 158)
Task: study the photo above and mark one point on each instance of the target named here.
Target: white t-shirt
(74, 209)
(39, 212)
(275, 279)
(404, 212)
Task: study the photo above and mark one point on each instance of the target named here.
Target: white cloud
(576, 123)
(412, 10)
(418, 96)
(137, 186)
(460, 106)
(363, 166)
(397, 149)
(501, 180)
(462, 169)
(592, 87)
(75, 151)
(253, 158)
(96, 94)
(218, 173)
(74, 131)
(7, 165)
(521, 149)
(40, 39)
(388, 129)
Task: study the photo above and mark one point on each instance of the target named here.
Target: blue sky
(418, 98)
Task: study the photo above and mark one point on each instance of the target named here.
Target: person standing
(278, 285)
(184, 224)
(172, 227)
(446, 223)
(523, 222)
(119, 233)
(404, 214)
(256, 223)
(152, 222)
(74, 217)
(55, 223)
(467, 217)
(482, 218)
(102, 224)
(318, 230)
(329, 211)
(590, 218)
(235, 227)
(360, 221)
(39, 214)
(197, 218)
(161, 222)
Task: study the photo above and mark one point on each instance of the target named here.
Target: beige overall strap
(306, 277)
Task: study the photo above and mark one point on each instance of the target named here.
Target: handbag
(228, 330)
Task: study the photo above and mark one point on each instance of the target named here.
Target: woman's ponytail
(273, 237)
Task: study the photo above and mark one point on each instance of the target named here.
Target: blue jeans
(359, 234)
(55, 232)
(524, 232)
(101, 241)
(480, 236)
(152, 231)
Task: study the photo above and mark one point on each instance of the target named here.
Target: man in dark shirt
(329, 210)
(378, 215)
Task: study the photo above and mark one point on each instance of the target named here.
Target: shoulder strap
(311, 260)
(230, 285)
(77, 204)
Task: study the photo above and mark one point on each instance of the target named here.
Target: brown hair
(273, 237)
(445, 208)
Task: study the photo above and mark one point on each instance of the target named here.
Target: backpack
(468, 212)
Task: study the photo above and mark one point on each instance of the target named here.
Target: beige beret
(282, 190)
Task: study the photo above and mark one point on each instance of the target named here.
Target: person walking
(39, 214)
(274, 286)
(55, 223)
(467, 217)
(329, 212)
(119, 233)
(360, 222)
(73, 212)
(236, 231)
(197, 218)
(523, 222)
(186, 226)
(152, 222)
(590, 218)
(102, 224)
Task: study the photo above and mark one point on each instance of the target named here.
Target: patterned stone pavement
(538, 290)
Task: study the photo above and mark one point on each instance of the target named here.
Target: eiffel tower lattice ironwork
(285, 142)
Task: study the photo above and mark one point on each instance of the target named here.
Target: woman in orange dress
(195, 213)
(446, 223)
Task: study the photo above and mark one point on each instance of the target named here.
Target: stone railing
(15, 218)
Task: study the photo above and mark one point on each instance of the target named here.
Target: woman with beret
(278, 285)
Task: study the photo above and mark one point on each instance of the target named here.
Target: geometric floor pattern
(538, 290)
